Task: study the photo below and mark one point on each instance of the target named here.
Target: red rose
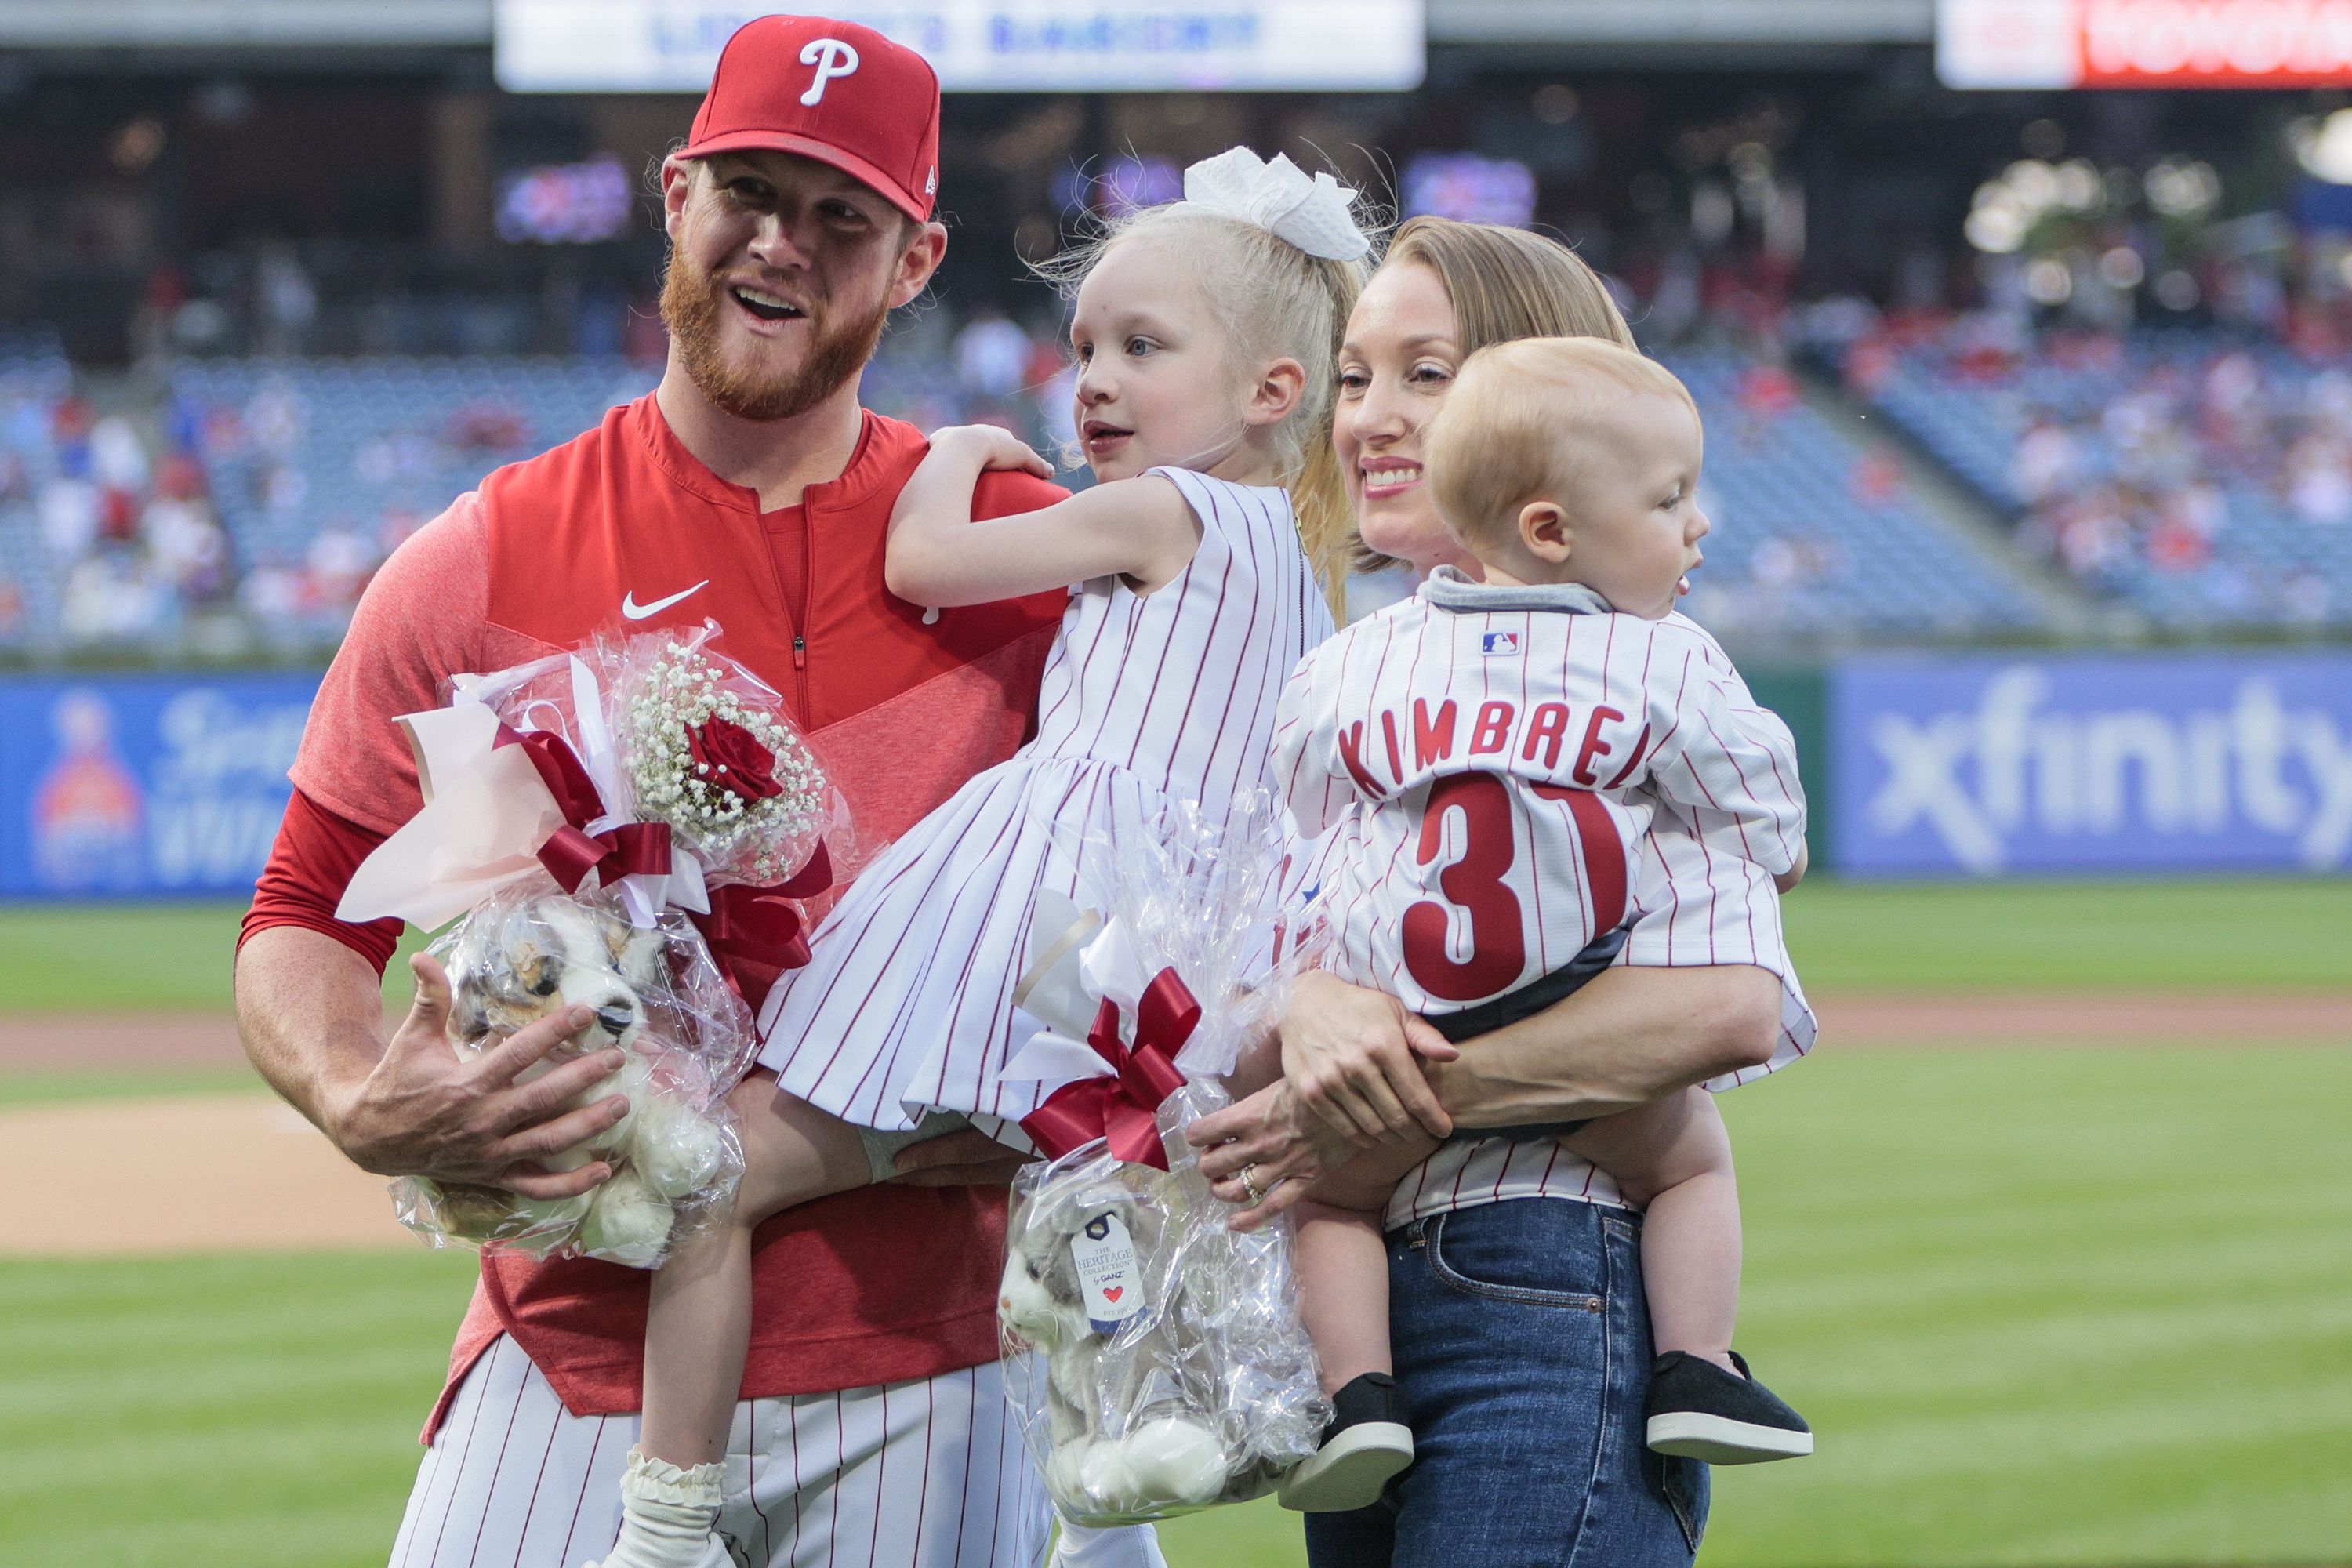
(738, 763)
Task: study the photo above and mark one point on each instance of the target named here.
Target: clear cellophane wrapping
(654, 756)
(684, 1037)
(1206, 1393)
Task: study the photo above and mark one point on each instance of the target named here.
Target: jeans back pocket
(1520, 1250)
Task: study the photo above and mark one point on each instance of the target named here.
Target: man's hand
(1284, 1147)
(424, 1112)
(1354, 1056)
(966, 1157)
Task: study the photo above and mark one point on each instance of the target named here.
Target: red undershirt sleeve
(423, 618)
(309, 867)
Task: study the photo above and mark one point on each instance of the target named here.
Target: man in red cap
(750, 488)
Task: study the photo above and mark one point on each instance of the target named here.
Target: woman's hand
(1271, 1142)
(1353, 1056)
(993, 447)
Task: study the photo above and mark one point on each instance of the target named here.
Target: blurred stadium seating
(2204, 479)
(264, 492)
(241, 507)
(1814, 533)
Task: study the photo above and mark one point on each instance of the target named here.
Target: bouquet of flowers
(626, 827)
(1155, 1355)
(710, 754)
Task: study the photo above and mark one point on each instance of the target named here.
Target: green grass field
(2046, 1306)
(2245, 935)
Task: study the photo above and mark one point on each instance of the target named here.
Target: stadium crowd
(2199, 473)
(2202, 474)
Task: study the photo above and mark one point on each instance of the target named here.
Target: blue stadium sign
(130, 786)
(2077, 763)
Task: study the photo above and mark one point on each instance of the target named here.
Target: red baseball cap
(834, 91)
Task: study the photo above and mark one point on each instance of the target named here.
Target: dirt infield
(2105, 1019)
(98, 1041)
(192, 1174)
(209, 1039)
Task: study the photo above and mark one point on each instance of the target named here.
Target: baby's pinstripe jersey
(1480, 763)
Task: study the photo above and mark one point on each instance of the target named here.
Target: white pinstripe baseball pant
(928, 1473)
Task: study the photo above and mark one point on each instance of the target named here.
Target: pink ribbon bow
(1124, 1107)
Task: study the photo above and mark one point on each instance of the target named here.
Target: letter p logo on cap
(831, 58)
(772, 91)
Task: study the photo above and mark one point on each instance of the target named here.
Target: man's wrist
(335, 1101)
(1477, 1099)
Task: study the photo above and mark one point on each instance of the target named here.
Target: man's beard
(690, 306)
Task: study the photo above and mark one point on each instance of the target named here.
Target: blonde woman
(1519, 1321)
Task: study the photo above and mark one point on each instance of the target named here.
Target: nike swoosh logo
(637, 612)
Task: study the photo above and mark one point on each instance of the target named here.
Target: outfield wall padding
(147, 785)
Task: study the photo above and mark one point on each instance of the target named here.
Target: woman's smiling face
(1401, 350)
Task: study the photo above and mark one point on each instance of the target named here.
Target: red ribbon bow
(1124, 1109)
(757, 934)
(569, 852)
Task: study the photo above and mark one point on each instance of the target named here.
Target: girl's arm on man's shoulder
(1140, 529)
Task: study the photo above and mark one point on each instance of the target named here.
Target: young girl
(1205, 332)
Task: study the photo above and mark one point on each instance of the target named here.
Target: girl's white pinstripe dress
(906, 1004)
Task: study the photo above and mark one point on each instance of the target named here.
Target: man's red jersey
(623, 528)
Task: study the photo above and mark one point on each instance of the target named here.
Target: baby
(1477, 762)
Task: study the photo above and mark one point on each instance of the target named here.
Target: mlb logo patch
(1494, 644)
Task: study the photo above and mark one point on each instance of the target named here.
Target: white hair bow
(1312, 213)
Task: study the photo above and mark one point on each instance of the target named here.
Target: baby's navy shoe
(1369, 1441)
(1699, 1411)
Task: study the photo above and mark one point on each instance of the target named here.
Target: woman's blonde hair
(1506, 283)
(1273, 299)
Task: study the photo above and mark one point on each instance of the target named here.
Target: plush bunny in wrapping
(1078, 1288)
(1155, 1354)
(525, 953)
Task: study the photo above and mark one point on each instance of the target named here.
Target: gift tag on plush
(1109, 1278)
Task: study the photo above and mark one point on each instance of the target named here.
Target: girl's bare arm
(1140, 528)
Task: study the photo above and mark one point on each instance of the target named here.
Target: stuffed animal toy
(1122, 1441)
(517, 959)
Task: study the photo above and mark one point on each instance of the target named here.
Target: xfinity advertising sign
(2011, 43)
(1986, 765)
(986, 45)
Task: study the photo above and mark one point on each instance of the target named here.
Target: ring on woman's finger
(1249, 1185)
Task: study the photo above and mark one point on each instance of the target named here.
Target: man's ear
(926, 247)
(1543, 529)
(1277, 392)
(677, 184)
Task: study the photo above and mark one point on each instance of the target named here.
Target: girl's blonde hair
(1274, 300)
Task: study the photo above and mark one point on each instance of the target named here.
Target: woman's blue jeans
(1523, 1344)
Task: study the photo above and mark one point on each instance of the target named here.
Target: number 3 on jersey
(1474, 884)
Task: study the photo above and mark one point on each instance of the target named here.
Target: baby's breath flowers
(735, 782)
